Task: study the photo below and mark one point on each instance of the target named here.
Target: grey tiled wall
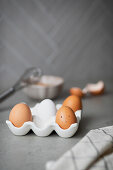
(70, 38)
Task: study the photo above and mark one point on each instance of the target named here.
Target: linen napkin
(94, 152)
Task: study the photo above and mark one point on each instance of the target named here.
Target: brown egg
(74, 102)
(65, 116)
(20, 114)
(76, 91)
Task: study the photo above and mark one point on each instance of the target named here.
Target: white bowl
(52, 88)
(46, 130)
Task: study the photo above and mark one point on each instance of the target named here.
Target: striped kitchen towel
(93, 152)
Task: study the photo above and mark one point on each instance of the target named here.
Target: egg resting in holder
(45, 129)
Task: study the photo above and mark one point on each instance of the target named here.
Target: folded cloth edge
(50, 165)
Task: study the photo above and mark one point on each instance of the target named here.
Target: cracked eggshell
(94, 89)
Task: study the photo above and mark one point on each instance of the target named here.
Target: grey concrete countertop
(32, 152)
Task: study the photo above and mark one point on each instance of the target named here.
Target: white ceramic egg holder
(48, 128)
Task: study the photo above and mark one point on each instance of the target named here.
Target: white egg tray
(47, 129)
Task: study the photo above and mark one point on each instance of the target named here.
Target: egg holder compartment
(48, 128)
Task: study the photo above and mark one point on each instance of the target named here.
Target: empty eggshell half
(94, 89)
